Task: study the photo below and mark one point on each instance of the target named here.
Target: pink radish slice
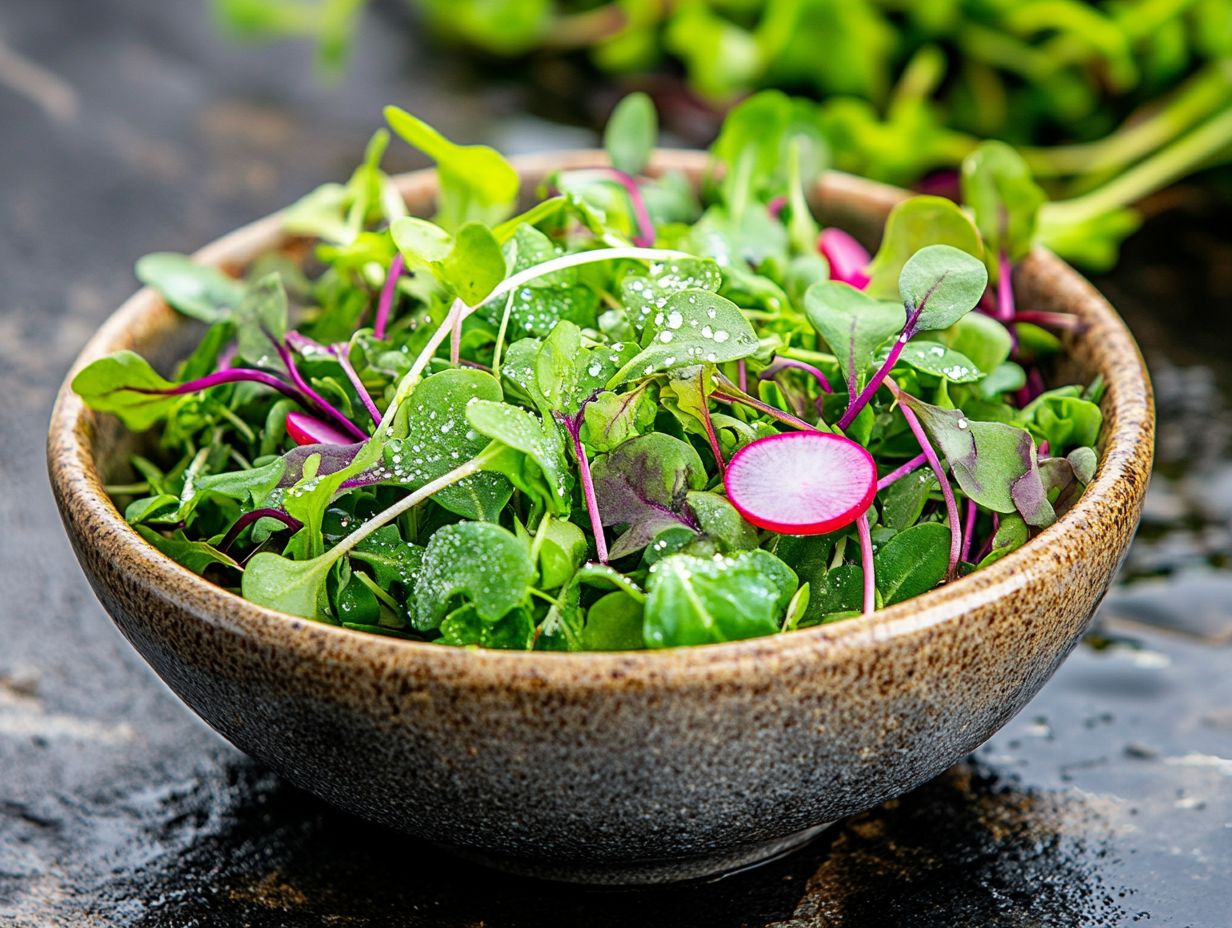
(847, 257)
(801, 483)
(308, 430)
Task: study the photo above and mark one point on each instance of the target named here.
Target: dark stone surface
(128, 126)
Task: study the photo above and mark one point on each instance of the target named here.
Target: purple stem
(969, 533)
(854, 407)
(900, 472)
(1005, 288)
(645, 237)
(711, 435)
(866, 563)
(775, 413)
(322, 404)
(986, 547)
(951, 506)
(307, 429)
(229, 375)
(386, 303)
(342, 352)
(573, 425)
(742, 376)
(250, 517)
(782, 363)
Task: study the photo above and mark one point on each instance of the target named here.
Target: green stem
(1170, 164)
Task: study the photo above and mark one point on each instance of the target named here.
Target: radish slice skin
(801, 483)
(309, 430)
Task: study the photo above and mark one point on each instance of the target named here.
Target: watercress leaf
(694, 326)
(643, 485)
(195, 555)
(1011, 535)
(350, 599)
(839, 593)
(631, 132)
(939, 285)
(475, 264)
(721, 522)
(993, 462)
(853, 324)
(912, 562)
(253, 485)
(912, 225)
(464, 628)
(936, 359)
(613, 418)
(903, 501)
(421, 243)
(486, 565)
(562, 548)
(261, 321)
(199, 292)
(293, 587)
(535, 462)
(700, 600)
(439, 438)
(998, 187)
(1006, 377)
(644, 295)
(981, 338)
(477, 183)
(613, 623)
(391, 559)
(1062, 419)
(1084, 462)
(124, 384)
(544, 209)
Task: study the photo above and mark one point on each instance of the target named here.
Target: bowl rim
(1127, 455)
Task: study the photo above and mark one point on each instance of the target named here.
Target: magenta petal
(309, 430)
(847, 257)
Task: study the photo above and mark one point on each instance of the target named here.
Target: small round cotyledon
(801, 483)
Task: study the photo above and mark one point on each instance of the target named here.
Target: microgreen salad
(635, 415)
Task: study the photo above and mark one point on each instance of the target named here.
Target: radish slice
(801, 483)
(847, 257)
(308, 430)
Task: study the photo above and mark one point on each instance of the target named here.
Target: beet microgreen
(530, 384)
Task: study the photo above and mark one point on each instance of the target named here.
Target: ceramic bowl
(636, 767)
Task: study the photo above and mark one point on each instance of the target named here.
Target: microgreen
(551, 438)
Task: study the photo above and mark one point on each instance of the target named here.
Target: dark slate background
(128, 126)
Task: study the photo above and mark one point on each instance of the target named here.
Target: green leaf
(994, 463)
(700, 600)
(694, 326)
(998, 187)
(720, 522)
(939, 285)
(643, 485)
(840, 593)
(261, 321)
(121, 384)
(912, 225)
(469, 265)
(293, 587)
(534, 460)
(464, 628)
(981, 338)
(392, 559)
(644, 295)
(562, 549)
(486, 565)
(936, 359)
(853, 324)
(1011, 535)
(631, 133)
(439, 438)
(903, 501)
(477, 183)
(613, 418)
(199, 292)
(252, 486)
(195, 555)
(1063, 419)
(613, 623)
(912, 562)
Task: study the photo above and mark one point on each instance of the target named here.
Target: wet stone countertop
(128, 126)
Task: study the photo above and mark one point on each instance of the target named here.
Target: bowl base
(651, 871)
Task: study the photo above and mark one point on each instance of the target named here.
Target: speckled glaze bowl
(636, 767)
